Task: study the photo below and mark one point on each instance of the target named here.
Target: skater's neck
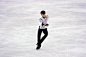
(43, 17)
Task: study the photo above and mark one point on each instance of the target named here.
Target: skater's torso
(44, 20)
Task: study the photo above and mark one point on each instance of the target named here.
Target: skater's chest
(44, 19)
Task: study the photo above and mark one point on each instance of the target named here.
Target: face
(43, 15)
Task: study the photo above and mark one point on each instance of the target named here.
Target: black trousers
(40, 40)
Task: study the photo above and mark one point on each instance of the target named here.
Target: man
(43, 27)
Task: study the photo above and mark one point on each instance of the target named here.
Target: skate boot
(38, 46)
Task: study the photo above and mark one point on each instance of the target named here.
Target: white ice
(19, 21)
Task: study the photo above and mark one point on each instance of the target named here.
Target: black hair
(42, 12)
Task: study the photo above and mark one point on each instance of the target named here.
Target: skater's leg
(45, 35)
(39, 36)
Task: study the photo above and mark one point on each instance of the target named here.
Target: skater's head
(43, 13)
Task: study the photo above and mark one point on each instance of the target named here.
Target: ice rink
(19, 21)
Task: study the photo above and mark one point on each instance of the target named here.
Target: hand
(47, 25)
(43, 25)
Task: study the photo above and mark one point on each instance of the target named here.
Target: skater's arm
(47, 24)
(40, 20)
(40, 23)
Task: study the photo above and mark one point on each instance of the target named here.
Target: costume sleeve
(47, 21)
(40, 22)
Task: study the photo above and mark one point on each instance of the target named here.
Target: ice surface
(19, 21)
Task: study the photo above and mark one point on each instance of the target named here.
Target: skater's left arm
(47, 24)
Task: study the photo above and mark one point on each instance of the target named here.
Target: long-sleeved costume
(44, 21)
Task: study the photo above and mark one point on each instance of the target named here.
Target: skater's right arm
(40, 23)
(40, 20)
